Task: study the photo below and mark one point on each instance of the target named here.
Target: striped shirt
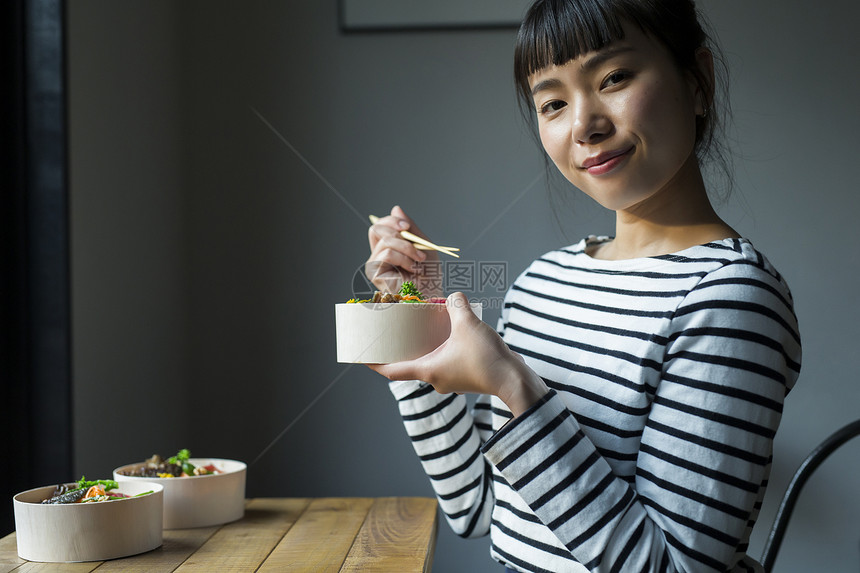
(651, 452)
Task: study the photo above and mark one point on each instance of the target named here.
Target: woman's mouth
(605, 162)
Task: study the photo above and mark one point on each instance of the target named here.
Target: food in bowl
(84, 491)
(95, 529)
(408, 293)
(383, 329)
(211, 495)
(174, 466)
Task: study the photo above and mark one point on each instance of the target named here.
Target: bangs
(555, 32)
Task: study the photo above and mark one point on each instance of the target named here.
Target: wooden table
(283, 534)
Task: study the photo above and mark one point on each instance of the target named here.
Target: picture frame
(395, 15)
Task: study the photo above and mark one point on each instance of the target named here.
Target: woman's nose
(590, 123)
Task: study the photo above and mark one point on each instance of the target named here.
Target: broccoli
(408, 289)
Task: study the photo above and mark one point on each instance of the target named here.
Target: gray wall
(224, 157)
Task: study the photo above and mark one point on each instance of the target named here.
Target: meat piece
(67, 497)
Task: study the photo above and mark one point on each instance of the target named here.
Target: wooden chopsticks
(420, 243)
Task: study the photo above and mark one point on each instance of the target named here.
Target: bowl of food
(391, 327)
(198, 492)
(88, 521)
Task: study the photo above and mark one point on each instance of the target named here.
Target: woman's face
(619, 123)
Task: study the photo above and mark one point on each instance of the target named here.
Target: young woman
(627, 405)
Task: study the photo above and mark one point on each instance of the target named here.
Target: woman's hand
(474, 359)
(394, 260)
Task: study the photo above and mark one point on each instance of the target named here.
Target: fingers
(394, 259)
(397, 221)
(390, 263)
(397, 246)
(392, 224)
(382, 229)
(389, 226)
(404, 220)
(400, 215)
(460, 310)
(385, 234)
(398, 370)
(383, 277)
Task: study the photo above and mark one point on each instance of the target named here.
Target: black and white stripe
(652, 450)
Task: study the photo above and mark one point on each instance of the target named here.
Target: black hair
(554, 32)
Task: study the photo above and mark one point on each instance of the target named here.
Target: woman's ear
(704, 79)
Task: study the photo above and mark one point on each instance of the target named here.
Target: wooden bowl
(198, 501)
(94, 531)
(380, 333)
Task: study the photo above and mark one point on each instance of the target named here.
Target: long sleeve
(447, 435)
(447, 440)
(731, 356)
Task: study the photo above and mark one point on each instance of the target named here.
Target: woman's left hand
(473, 359)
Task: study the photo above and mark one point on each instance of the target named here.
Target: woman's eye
(552, 106)
(615, 78)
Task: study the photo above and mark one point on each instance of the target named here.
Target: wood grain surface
(396, 534)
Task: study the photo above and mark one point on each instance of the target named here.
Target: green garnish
(408, 289)
(181, 459)
(182, 456)
(108, 484)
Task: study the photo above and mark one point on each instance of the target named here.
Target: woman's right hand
(394, 260)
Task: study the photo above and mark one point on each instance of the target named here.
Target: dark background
(35, 300)
(221, 161)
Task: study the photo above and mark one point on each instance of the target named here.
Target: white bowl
(199, 501)
(380, 333)
(88, 531)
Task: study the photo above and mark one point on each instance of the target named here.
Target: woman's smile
(606, 162)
